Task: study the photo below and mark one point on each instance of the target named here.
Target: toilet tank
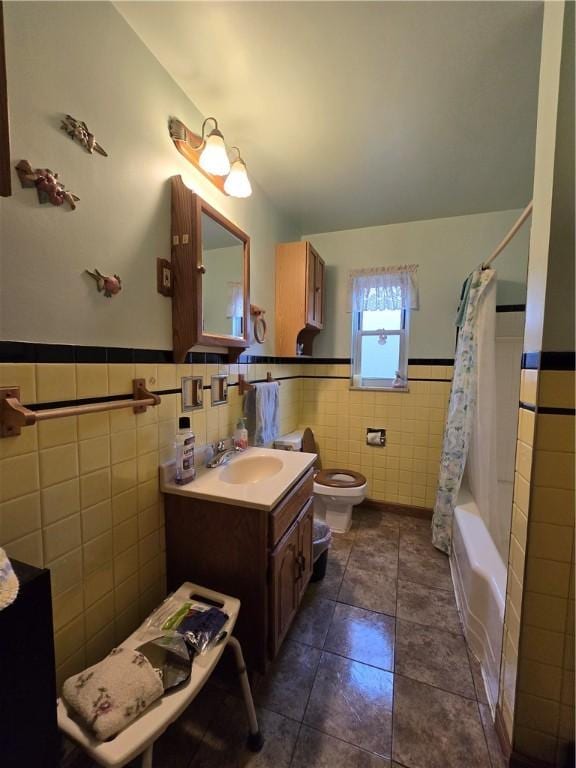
(290, 442)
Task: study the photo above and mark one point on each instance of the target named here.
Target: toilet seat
(340, 478)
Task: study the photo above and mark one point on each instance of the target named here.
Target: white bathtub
(479, 576)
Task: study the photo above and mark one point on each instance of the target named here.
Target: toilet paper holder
(375, 436)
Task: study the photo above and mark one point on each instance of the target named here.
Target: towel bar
(14, 415)
(245, 386)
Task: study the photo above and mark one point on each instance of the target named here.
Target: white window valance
(381, 288)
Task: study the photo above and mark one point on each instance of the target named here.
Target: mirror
(223, 280)
(210, 261)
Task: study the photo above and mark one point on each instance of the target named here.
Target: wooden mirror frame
(187, 267)
(5, 180)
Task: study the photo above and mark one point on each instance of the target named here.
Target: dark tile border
(527, 406)
(549, 361)
(31, 352)
(511, 308)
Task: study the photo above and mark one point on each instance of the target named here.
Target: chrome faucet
(222, 455)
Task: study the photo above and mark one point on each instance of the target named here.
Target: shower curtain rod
(521, 219)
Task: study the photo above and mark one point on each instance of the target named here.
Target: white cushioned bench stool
(139, 737)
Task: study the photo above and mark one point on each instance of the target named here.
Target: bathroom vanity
(245, 529)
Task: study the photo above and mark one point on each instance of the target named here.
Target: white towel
(261, 408)
(110, 695)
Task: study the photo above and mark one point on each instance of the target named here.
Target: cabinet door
(319, 291)
(310, 285)
(285, 595)
(305, 546)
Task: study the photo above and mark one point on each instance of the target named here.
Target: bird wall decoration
(78, 130)
(48, 187)
(109, 285)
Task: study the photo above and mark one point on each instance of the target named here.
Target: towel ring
(260, 327)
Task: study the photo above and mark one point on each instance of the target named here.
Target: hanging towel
(110, 695)
(261, 406)
(463, 303)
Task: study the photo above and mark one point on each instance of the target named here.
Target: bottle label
(188, 453)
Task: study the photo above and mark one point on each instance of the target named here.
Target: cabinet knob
(201, 268)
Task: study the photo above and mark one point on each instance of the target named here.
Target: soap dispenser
(241, 435)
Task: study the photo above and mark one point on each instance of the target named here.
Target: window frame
(356, 348)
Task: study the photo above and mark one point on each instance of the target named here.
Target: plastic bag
(199, 624)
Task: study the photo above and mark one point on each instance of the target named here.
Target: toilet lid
(340, 478)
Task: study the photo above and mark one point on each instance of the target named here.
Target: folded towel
(110, 695)
(261, 408)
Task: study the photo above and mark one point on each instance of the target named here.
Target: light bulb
(214, 158)
(237, 183)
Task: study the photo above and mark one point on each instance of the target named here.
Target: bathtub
(479, 577)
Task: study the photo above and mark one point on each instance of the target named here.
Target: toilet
(336, 491)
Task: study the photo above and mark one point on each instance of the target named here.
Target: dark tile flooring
(375, 672)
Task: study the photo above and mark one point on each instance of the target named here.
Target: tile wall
(80, 495)
(537, 678)
(544, 717)
(406, 470)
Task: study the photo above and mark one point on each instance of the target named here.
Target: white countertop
(263, 494)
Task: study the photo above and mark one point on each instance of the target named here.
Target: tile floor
(375, 672)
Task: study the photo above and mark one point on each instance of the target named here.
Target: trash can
(322, 537)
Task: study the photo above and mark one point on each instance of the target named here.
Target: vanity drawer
(287, 510)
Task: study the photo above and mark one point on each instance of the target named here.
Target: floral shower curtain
(460, 412)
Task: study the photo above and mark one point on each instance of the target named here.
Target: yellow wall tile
(18, 476)
(98, 552)
(58, 464)
(61, 537)
(120, 376)
(68, 640)
(125, 535)
(65, 572)
(57, 432)
(21, 375)
(124, 476)
(25, 442)
(123, 445)
(553, 469)
(552, 505)
(548, 577)
(100, 614)
(552, 542)
(95, 487)
(19, 517)
(542, 645)
(125, 564)
(557, 389)
(555, 432)
(60, 501)
(99, 583)
(528, 386)
(124, 505)
(94, 454)
(91, 380)
(96, 520)
(28, 549)
(93, 425)
(55, 381)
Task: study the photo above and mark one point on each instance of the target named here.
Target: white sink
(251, 470)
(258, 478)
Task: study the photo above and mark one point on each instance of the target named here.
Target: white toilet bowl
(333, 504)
(336, 491)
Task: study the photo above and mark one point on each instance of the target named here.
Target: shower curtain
(461, 411)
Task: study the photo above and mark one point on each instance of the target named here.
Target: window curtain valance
(383, 288)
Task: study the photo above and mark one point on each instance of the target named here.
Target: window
(381, 304)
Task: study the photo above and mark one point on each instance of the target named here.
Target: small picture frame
(192, 393)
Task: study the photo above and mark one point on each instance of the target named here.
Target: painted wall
(100, 71)
(446, 251)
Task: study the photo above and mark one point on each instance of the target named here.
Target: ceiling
(353, 114)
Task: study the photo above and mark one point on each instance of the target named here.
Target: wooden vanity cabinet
(264, 558)
(300, 273)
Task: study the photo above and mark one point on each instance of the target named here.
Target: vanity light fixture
(237, 183)
(214, 157)
(210, 155)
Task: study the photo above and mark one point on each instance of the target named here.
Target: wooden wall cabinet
(262, 558)
(300, 273)
(198, 234)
